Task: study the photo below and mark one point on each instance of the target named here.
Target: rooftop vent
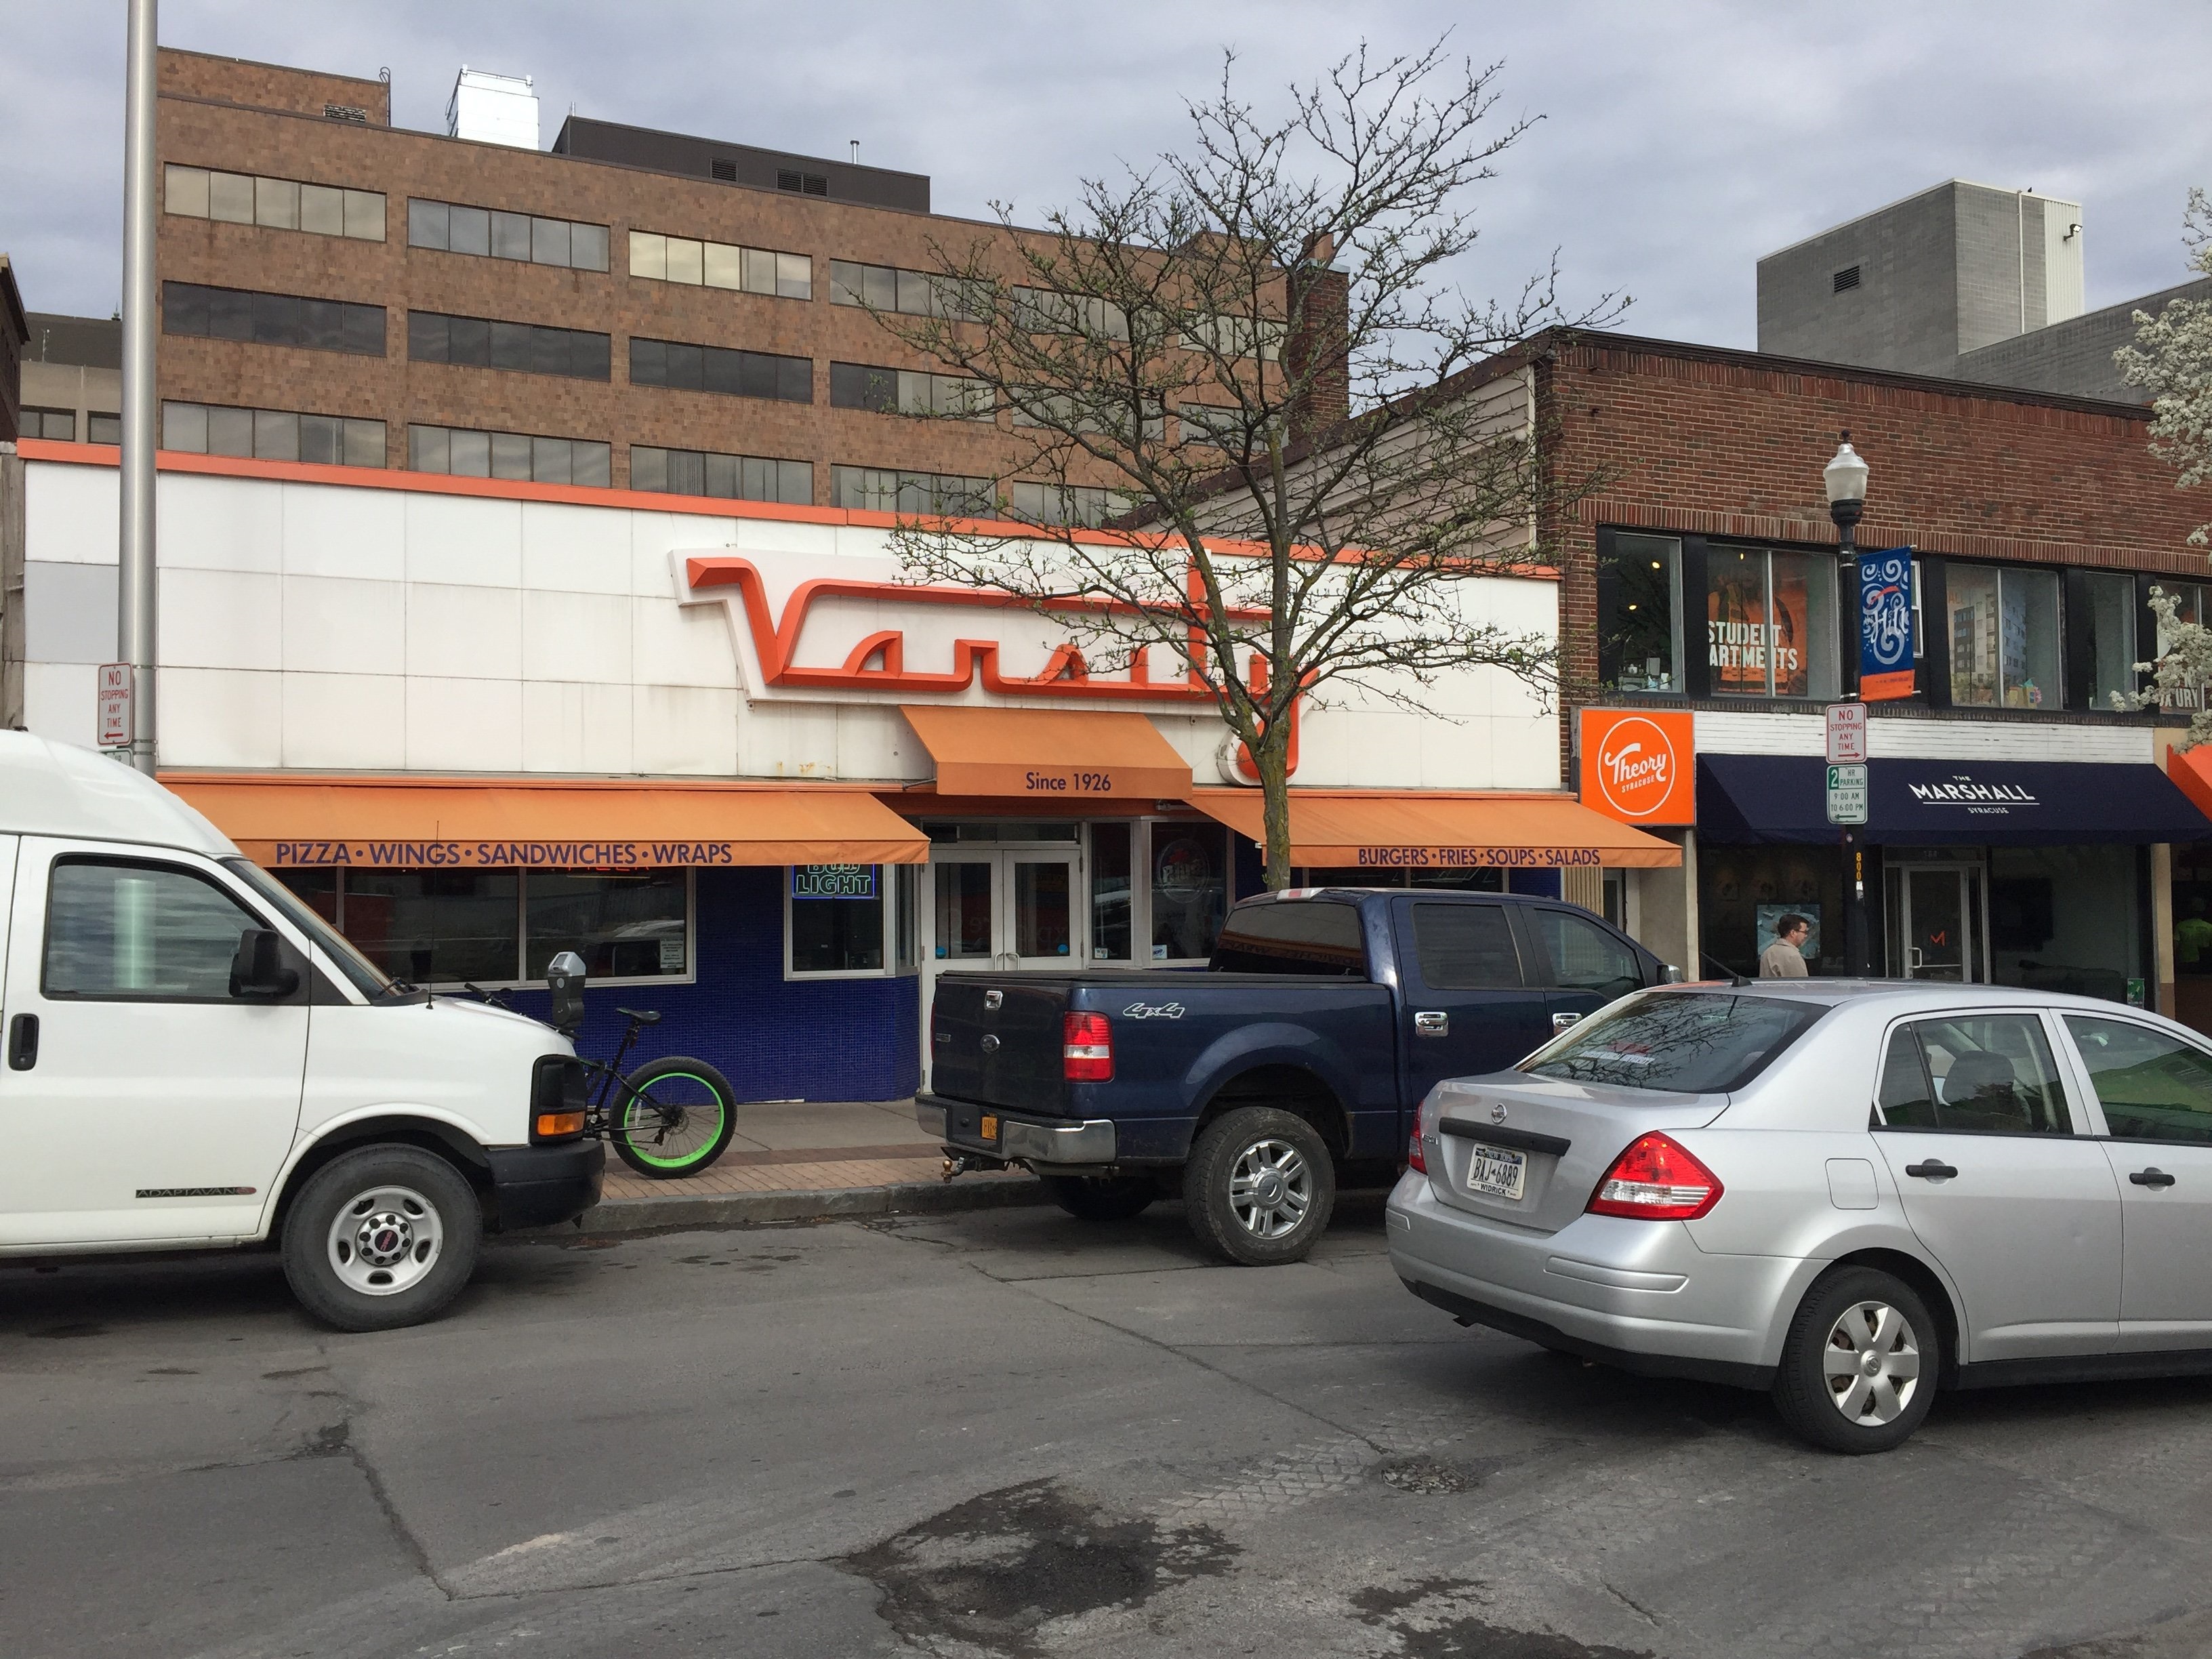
(726, 170)
(810, 183)
(493, 109)
(353, 112)
(1847, 279)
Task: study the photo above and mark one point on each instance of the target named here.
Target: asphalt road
(1010, 1434)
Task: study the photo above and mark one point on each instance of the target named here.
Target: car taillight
(1425, 1123)
(1086, 1053)
(1656, 1180)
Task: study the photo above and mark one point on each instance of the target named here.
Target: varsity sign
(1638, 766)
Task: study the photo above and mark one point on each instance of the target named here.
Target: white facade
(468, 627)
(493, 109)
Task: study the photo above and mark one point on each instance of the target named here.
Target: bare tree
(1251, 358)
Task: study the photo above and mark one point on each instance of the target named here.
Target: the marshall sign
(1983, 799)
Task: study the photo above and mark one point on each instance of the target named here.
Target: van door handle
(1933, 1170)
(23, 1043)
(1431, 1025)
(1560, 1022)
(2153, 1177)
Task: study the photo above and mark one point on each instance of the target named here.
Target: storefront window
(1110, 892)
(1771, 623)
(2111, 633)
(1639, 611)
(632, 926)
(2189, 606)
(1744, 893)
(836, 913)
(1189, 872)
(2064, 919)
(2004, 636)
(437, 926)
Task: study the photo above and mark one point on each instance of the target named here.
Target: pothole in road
(1428, 1477)
(1445, 1619)
(993, 1570)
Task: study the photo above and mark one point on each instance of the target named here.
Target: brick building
(632, 308)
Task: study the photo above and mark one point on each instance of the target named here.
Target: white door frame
(1001, 858)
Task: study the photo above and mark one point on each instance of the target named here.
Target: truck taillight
(1656, 1180)
(1086, 1053)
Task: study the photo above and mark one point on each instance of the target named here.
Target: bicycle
(671, 1117)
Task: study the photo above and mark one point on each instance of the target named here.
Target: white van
(194, 1059)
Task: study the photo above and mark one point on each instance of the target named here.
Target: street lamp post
(1845, 479)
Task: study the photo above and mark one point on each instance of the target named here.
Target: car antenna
(1736, 975)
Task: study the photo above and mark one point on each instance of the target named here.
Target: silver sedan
(1850, 1193)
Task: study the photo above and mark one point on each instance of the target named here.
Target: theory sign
(1637, 767)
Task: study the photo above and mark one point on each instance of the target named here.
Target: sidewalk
(796, 1161)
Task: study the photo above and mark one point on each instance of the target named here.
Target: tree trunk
(1273, 759)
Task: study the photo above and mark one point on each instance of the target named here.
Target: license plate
(1496, 1172)
(988, 1129)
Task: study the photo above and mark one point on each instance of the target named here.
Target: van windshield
(1689, 1043)
(369, 979)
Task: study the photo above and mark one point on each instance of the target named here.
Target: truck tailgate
(998, 1041)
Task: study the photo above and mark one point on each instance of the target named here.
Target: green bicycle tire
(634, 1144)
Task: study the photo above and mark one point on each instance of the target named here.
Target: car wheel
(1859, 1365)
(1259, 1187)
(382, 1237)
(1102, 1198)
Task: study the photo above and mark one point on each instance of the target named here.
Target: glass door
(1001, 909)
(1935, 923)
(1039, 908)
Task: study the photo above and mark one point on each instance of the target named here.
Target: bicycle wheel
(673, 1117)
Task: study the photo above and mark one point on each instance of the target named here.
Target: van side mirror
(564, 978)
(257, 971)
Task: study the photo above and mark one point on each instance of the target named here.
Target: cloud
(1679, 142)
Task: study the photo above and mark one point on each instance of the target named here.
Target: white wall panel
(345, 722)
(578, 550)
(569, 727)
(334, 627)
(654, 536)
(333, 530)
(686, 729)
(71, 513)
(222, 619)
(222, 717)
(681, 645)
(579, 636)
(464, 538)
(463, 726)
(61, 701)
(219, 524)
(875, 743)
(463, 633)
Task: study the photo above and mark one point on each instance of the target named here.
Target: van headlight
(558, 1099)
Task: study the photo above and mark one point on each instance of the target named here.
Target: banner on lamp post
(1888, 642)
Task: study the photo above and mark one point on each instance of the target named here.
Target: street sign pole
(1849, 793)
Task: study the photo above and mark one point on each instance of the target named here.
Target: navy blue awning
(1935, 802)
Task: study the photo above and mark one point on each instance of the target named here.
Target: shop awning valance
(1048, 754)
(1384, 830)
(405, 823)
(1948, 803)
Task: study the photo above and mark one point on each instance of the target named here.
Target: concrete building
(73, 379)
(2075, 356)
(15, 334)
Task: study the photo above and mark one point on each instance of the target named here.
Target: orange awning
(557, 825)
(1388, 830)
(1048, 754)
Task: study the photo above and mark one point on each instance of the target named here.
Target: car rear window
(1296, 936)
(1695, 1044)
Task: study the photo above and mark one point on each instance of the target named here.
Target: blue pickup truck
(1293, 1064)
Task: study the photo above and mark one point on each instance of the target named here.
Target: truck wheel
(1859, 1365)
(382, 1237)
(1259, 1187)
(1102, 1198)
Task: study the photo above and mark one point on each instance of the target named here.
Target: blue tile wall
(774, 1038)
(1537, 883)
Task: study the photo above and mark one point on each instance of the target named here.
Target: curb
(637, 1215)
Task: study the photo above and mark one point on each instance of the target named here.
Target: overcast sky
(1681, 141)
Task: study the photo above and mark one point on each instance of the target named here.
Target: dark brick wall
(270, 86)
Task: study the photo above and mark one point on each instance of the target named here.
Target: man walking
(1785, 958)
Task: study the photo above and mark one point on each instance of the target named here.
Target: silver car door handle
(1431, 1025)
(1560, 1022)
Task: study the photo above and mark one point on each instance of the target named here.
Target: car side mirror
(564, 978)
(257, 971)
(1670, 975)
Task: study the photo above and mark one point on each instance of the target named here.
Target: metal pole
(135, 607)
(1846, 516)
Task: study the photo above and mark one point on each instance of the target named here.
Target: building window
(684, 368)
(916, 293)
(731, 477)
(1188, 876)
(1044, 310)
(1112, 900)
(1771, 623)
(848, 921)
(2109, 599)
(2003, 628)
(1212, 424)
(908, 391)
(1065, 504)
(450, 228)
(720, 264)
(1233, 337)
(1639, 613)
(885, 490)
(521, 456)
(271, 434)
(275, 204)
(282, 320)
(525, 348)
(56, 425)
(451, 927)
(100, 429)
